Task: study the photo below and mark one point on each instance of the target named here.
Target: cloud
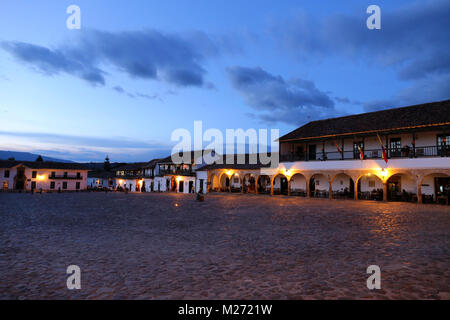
(149, 55)
(121, 90)
(52, 62)
(291, 101)
(432, 88)
(414, 38)
(82, 148)
(413, 42)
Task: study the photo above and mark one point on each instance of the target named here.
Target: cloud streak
(149, 55)
(82, 148)
(413, 41)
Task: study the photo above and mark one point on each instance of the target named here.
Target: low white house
(42, 175)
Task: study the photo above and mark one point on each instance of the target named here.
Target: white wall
(42, 179)
(340, 182)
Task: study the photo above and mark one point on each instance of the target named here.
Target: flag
(361, 153)
(337, 147)
(384, 150)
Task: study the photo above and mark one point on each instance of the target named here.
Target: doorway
(20, 179)
(181, 186)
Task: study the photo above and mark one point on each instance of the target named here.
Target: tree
(39, 159)
(12, 159)
(106, 164)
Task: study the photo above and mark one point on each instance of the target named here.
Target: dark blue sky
(137, 70)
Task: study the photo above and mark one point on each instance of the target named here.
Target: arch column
(308, 195)
(272, 179)
(330, 189)
(356, 190)
(289, 187)
(419, 193)
(385, 191)
(256, 184)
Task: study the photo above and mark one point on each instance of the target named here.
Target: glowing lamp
(40, 177)
(384, 173)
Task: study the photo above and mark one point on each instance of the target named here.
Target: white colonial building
(400, 154)
(42, 175)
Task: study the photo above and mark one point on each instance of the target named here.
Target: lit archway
(263, 184)
(235, 182)
(297, 185)
(370, 187)
(435, 188)
(249, 184)
(343, 186)
(280, 184)
(319, 186)
(224, 182)
(402, 187)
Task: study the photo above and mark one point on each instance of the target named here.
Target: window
(235, 180)
(443, 144)
(443, 139)
(312, 152)
(53, 174)
(33, 184)
(371, 183)
(5, 185)
(65, 174)
(78, 186)
(356, 146)
(6, 173)
(34, 174)
(65, 185)
(78, 175)
(52, 185)
(395, 146)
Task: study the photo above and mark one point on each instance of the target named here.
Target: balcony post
(307, 152)
(342, 149)
(414, 144)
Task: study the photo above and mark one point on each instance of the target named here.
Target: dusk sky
(137, 70)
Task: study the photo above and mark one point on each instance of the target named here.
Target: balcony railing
(178, 172)
(418, 152)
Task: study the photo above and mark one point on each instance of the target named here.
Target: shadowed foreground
(167, 246)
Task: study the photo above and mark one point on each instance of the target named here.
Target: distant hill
(26, 156)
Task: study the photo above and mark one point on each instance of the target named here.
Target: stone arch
(402, 186)
(434, 187)
(224, 182)
(298, 185)
(263, 184)
(279, 184)
(233, 187)
(342, 186)
(249, 183)
(319, 185)
(369, 186)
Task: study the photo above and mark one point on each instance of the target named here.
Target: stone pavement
(168, 246)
